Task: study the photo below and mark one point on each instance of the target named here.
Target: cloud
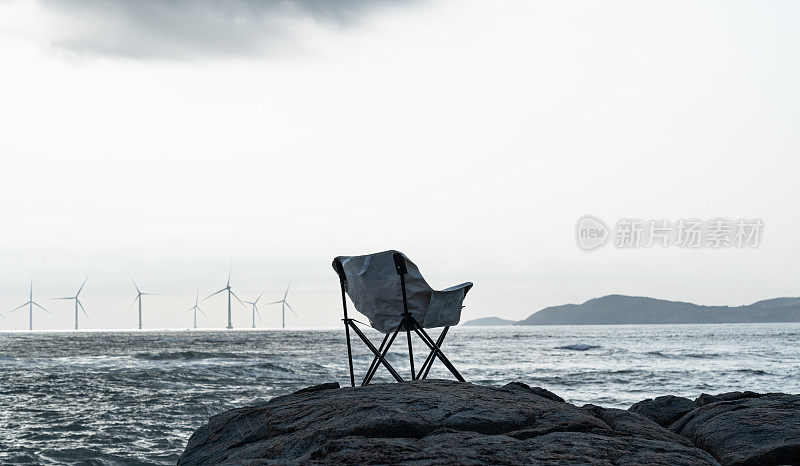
(194, 29)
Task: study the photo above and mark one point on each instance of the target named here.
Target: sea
(135, 397)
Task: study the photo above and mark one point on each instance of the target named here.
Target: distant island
(619, 309)
(488, 321)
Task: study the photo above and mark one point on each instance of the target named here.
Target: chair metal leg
(426, 366)
(438, 353)
(375, 350)
(439, 343)
(410, 349)
(375, 362)
(384, 352)
(406, 321)
(342, 282)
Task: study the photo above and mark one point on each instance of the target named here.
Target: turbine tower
(284, 304)
(230, 292)
(30, 305)
(196, 308)
(255, 308)
(139, 294)
(78, 302)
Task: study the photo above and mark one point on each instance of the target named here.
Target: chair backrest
(373, 285)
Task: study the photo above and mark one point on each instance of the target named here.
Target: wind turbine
(30, 305)
(230, 292)
(196, 308)
(78, 302)
(284, 304)
(255, 308)
(139, 294)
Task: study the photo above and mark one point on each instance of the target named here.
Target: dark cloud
(191, 29)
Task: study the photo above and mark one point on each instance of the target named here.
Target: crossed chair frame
(407, 323)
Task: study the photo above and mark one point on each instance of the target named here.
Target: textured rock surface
(438, 422)
(665, 409)
(745, 428)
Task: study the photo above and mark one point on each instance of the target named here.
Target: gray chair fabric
(374, 287)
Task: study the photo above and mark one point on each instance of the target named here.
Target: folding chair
(389, 289)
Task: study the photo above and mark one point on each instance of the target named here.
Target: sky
(169, 141)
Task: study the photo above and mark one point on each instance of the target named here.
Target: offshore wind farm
(78, 307)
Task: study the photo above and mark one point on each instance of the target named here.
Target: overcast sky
(167, 139)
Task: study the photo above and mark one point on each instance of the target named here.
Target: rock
(745, 428)
(537, 390)
(664, 410)
(634, 424)
(317, 388)
(435, 422)
(705, 398)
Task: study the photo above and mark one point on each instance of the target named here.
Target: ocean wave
(702, 355)
(273, 367)
(684, 355)
(578, 347)
(188, 355)
(752, 371)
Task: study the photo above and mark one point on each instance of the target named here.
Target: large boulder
(665, 409)
(435, 422)
(745, 428)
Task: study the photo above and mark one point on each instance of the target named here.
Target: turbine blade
(290, 308)
(68, 297)
(19, 307)
(81, 288)
(201, 312)
(132, 303)
(42, 308)
(259, 296)
(229, 273)
(134, 283)
(217, 292)
(274, 302)
(287, 290)
(237, 298)
(82, 308)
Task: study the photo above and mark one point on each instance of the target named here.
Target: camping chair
(389, 289)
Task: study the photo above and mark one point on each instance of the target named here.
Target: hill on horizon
(619, 309)
(488, 321)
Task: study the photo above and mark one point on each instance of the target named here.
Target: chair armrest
(445, 306)
(465, 286)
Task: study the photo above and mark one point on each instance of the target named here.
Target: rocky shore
(443, 422)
